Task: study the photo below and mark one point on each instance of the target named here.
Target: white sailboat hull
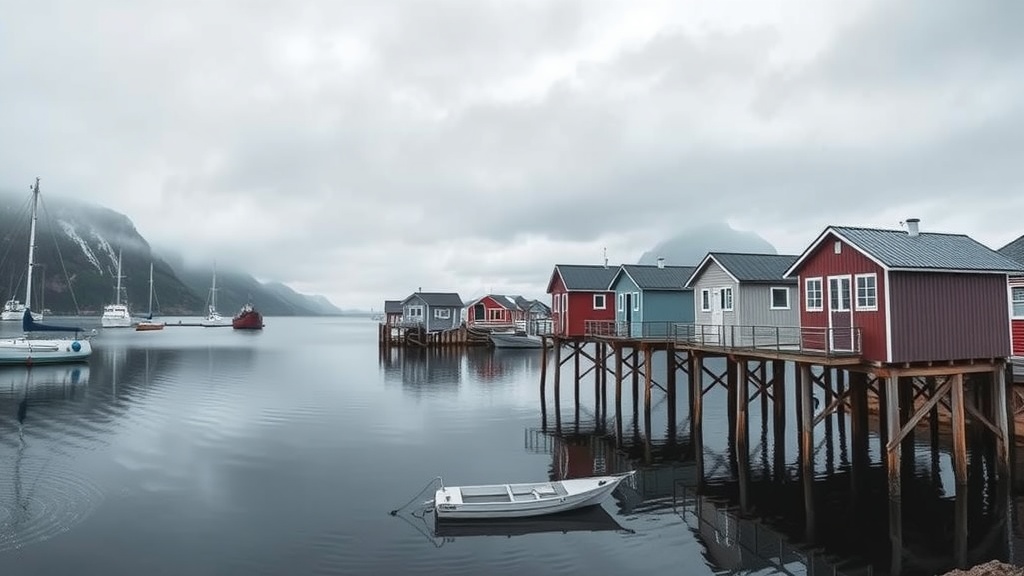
(523, 500)
(31, 351)
(16, 316)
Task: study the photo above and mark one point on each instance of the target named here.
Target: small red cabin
(914, 296)
(493, 310)
(580, 293)
(1015, 251)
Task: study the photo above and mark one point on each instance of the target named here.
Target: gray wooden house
(433, 310)
(736, 289)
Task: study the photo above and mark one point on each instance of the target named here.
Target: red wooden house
(493, 310)
(904, 296)
(580, 293)
(1015, 251)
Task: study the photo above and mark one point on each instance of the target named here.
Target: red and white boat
(248, 318)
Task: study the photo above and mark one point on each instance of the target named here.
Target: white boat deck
(508, 492)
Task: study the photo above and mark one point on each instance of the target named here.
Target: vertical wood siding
(581, 309)
(714, 277)
(938, 317)
(1018, 337)
(824, 262)
(755, 305)
(557, 289)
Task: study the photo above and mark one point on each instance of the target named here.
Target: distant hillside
(77, 245)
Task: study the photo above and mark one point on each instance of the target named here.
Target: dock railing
(799, 339)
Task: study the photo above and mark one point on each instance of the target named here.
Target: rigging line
(23, 220)
(418, 495)
(60, 257)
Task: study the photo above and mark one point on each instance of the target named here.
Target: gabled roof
(441, 299)
(748, 268)
(927, 252)
(651, 277)
(506, 302)
(392, 306)
(583, 277)
(1014, 250)
(526, 303)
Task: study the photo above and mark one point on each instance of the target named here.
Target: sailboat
(116, 315)
(29, 350)
(149, 323)
(213, 318)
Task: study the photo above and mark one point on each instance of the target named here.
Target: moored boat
(248, 318)
(523, 500)
(516, 340)
(148, 323)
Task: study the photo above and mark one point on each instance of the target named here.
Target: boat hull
(17, 315)
(516, 341)
(248, 321)
(522, 502)
(146, 326)
(31, 351)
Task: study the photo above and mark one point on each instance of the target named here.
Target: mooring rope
(418, 494)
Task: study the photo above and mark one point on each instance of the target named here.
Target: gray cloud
(361, 149)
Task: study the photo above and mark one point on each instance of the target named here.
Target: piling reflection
(431, 368)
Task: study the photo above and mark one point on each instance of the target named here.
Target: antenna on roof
(605, 253)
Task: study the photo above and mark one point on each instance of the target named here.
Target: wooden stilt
(779, 416)
(999, 400)
(892, 418)
(697, 415)
(959, 432)
(742, 430)
(807, 450)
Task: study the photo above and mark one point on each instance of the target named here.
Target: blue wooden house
(433, 310)
(649, 300)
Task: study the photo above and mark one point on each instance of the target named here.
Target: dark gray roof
(928, 250)
(649, 277)
(1014, 250)
(442, 299)
(765, 268)
(392, 306)
(584, 277)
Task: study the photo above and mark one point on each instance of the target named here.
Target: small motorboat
(522, 500)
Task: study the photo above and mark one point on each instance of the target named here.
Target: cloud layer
(361, 149)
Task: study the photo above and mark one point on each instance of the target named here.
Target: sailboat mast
(117, 297)
(31, 246)
(150, 289)
(213, 290)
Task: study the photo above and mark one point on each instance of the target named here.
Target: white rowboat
(522, 500)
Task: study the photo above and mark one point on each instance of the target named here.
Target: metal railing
(804, 339)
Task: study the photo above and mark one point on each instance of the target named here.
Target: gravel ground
(993, 568)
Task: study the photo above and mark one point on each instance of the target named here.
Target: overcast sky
(362, 149)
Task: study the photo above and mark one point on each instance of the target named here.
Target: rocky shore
(993, 568)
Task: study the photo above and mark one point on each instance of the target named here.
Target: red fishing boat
(248, 318)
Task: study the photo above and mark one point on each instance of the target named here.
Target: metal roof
(443, 299)
(586, 277)
(1014, 250)
(651, 277)
(392, 306)
(766, 268)
(928, 251)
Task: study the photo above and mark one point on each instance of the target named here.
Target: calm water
(208, 451)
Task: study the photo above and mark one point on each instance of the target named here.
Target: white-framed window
(705, 300)
(812, 295)
(442, 313)
(565, 302)
(636, 301)
(726, 296)
(838, 247)
(555, 303)
(599, 302)
(622, 301)
(1017, 297)
(495, 314)
(780, 298)
(414, 311)
(867, 291)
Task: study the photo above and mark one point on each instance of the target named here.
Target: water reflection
(590, 519)
(40, 495)
(433, 368)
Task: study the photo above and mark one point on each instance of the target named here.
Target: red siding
(1018, 337)
(556, 289)
(507, 316)
(824, 262)
(581, 309)
(953, 316)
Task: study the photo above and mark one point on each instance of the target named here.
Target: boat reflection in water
(589, 519)
(43, 380)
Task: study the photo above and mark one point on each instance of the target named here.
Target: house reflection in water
(422, 368)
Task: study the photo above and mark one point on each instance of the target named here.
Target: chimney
(605, 252)
(912, 226)
(661, 262)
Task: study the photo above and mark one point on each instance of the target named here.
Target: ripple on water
(39, 501)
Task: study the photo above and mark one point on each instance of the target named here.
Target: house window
(636, 301)
(726, 296)
(705, 300)
(599, 302)
(495, 314)
(622, 300)
(780, 298)
(414, 312)
(565, 301)
(812, 295)
(839, 293)
(442, 313)
(867, 292)
(1018, 302)
(837, 247)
